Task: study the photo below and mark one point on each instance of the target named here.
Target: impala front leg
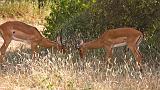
(4, 48)
(34, 49)
(109, 54)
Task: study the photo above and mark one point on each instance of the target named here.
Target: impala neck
(93, 44)
(48, 43)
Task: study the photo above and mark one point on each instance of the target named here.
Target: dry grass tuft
(60, 72)
(25, 11)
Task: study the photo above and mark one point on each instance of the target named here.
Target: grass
(61, 72)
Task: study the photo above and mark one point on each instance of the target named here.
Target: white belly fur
(18, 39)
(120, 44)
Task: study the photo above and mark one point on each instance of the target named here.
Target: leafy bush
(72, 16)
(76, 20)
(62, 13)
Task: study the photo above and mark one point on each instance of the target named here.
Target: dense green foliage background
(72, 17)
(88, 19)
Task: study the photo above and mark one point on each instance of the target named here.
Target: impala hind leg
(136, 54)
(4, 47)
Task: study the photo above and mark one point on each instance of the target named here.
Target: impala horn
(59, 40)
(79, 48)
(61, 46)
(79, 44)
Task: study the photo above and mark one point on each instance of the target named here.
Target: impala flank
(16, 30)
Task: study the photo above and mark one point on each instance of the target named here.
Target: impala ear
(77, 46)
(81, 42)
(59, 40)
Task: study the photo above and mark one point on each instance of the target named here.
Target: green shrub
(77, 20)
(74, 16)
(62, 13)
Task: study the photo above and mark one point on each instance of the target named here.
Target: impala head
(81, 49)
(60, 46)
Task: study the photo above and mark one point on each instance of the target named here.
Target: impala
(115, 38)
(19, 31)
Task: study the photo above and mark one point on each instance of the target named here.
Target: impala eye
(14, 32)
